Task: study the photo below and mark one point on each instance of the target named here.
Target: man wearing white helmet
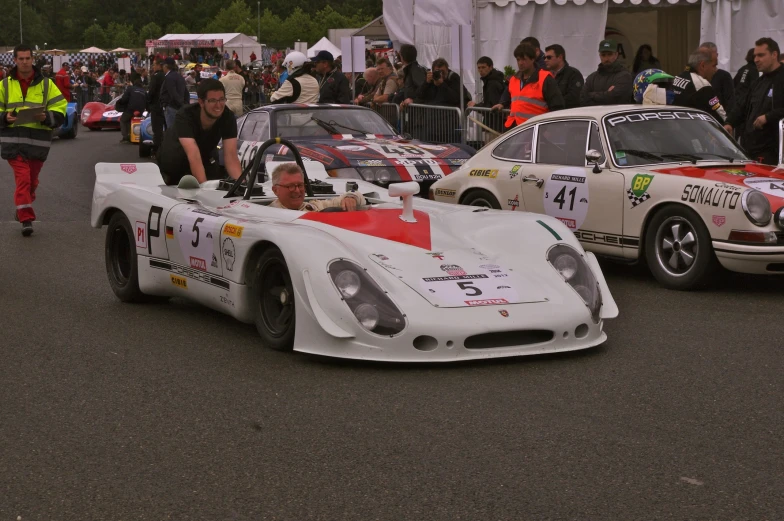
(300, 86)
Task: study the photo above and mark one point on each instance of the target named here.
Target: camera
(436, 75)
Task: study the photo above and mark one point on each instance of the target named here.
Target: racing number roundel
(566, 196)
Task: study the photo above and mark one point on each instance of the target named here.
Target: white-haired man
(288, 184)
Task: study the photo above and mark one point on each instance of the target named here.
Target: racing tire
(145, 150)
(121, 261)
(481, 198)
(274, 298)
(71, 134)
(678, 249)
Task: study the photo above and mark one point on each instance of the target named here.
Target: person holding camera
(442, 87)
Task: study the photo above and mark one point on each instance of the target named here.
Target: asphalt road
(113, 412)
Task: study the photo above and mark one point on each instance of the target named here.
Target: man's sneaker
(123, 140)
(27, 228)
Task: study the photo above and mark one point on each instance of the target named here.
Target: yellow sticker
(180, 282)
(233, 230)
(483, 173)
(444, 192)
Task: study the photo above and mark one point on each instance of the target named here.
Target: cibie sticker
(767, 185)
(566, 196)
(180, 282)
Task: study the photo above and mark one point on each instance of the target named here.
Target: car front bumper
(749, 258)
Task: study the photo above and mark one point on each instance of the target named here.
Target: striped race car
(97, 115)
(348, 142)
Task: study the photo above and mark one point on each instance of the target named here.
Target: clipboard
(24, 116)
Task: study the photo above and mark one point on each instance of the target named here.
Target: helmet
(294, 61)
(649, 77)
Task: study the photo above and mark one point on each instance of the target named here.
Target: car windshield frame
(319, 113)
(702, 116)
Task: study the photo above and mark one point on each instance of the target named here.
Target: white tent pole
(462, 87)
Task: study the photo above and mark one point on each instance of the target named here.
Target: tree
(122, 35)
(94, 35)
(35, 28)
(298, 26)
(229, 19)
(271, 33)
(151, 31)
(176, 28)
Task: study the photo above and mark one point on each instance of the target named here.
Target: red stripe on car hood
(381, 223)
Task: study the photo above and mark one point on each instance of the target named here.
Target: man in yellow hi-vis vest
(25, 145)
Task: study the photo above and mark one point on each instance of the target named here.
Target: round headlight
(584, 292)
(756, 207)
(137, 130)
(383, 176)
(367, 314)
(566, 265)
(368, 174)
(85, 115)
(778, 218)
(348, 283)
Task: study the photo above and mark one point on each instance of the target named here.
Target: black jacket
(765, 98)
(174, 92)
(134, 99)
(154, 92)
(493, 87)
(447, 94)
(743, 81)
(725, 88)
(415, 75)
(596, 89)
(334, 88)
(684, 86)
(570, 83)
(550, 91)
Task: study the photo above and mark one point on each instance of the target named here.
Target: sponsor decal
(457, 162)
(128, 168)
(227, 301)
(141, 234)
(425, 174)
(170, 232)
(514, 171)
(570, 223)
(504, 313)
(228, 253)
(566, 196)
(738, 172)
(638, 117)
(444, 192)
(490, 266)
(487, 302)
(712, 196)
(370, 162)
(606, 238)
(233, 230)
(767, 185)
(111, 114)
(415, 162)
(381, 256)
(503, 287)
(199, 264)
(180, 282)
(436, 255)
(351, 148)
(184, 271)
(514, 203)
(453, 269)
(483, 173)
(719, 220)
(456, 277)
(214, 261)
(638, 192)
(432, 147)
(209, 235)
(734, 188)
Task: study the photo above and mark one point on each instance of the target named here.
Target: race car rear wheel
(121, 262)
(275, 311)
(481, 198)
(678, 249)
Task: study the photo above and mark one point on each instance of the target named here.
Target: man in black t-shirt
(190, 146)
(693, 86)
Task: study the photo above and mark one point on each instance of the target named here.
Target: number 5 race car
(410, 281)
(666, 184)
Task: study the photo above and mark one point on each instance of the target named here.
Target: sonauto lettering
(712, 196)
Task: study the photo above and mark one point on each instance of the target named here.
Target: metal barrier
(390, 112)
(433, 123)
(483, 125)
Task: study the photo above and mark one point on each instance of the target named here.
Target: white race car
(662, 183)
(410, 281)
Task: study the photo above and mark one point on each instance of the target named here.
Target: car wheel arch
(252, 258)
(660, 206)
(475, 189)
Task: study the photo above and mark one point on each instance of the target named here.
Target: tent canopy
(120, 49)
(243, 44)
(93, 50)
(324, 45)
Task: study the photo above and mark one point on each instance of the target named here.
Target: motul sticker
(128, 169)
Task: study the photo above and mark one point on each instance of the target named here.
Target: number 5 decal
(195, 243)
(466, 286)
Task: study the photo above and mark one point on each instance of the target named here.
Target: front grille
(509, 339)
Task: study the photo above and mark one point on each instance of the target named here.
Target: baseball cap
(608, 46)
(323, 56)
(84, 68)
(66, 64)
(170, 62)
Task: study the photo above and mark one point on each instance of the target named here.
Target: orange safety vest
(528, 101)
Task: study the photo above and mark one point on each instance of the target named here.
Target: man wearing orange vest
(532, 91)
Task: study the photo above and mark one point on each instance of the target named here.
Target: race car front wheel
(678, 249)
(121, 262)
(481, 198)
(275, 310)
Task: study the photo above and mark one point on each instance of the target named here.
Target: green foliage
(509, 71)
(122, 35)
(151, 31)
(35, 29)
(95, 36)
(229, 19)
(175, 28)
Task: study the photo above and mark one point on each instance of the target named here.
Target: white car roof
(600, 111)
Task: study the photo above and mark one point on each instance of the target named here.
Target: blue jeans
(168, 117)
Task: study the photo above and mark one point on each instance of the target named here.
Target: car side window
(255, 127)
(595, 143)
(562, 143)
(517, 147)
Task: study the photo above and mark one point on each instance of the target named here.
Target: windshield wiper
(728, 158)
(685, 157)
(333, 122)
(326, 126)
(640, 153)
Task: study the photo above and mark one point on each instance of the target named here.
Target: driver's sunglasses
(213, 101)
(293, 187)
(547, 57)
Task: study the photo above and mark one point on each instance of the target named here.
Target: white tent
(120, 49)
(324, 45)
(93, 50)
(244, 45)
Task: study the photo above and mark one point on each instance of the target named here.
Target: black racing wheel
(275, 309)
(121, 262)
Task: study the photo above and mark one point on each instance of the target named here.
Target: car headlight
(86, 115)
(778, 218)
(379, 175)
(369, 304)
(756, 207)
(137, 130)
(571, 266)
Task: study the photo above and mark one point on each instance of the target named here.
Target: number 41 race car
(410, 281)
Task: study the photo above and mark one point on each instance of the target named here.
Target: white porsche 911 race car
(417, 281)
(666, 184)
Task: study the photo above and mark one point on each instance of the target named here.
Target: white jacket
(234, 85)
(309, 92)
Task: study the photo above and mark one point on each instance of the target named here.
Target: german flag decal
(170, 232)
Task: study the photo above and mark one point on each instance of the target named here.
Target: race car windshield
(646, 138)
(323, 122)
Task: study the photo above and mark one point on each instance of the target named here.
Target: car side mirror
(593, 156)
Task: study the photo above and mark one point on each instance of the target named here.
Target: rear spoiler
(136, 173)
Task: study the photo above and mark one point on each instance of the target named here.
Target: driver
(288, 184)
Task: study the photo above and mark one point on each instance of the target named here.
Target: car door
(193, 239)
(560, 183)
(513, 158)
(255, 131)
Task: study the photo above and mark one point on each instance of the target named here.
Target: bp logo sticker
(638, 193)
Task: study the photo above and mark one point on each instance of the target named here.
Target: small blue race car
(145, 132)
(70, 128)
